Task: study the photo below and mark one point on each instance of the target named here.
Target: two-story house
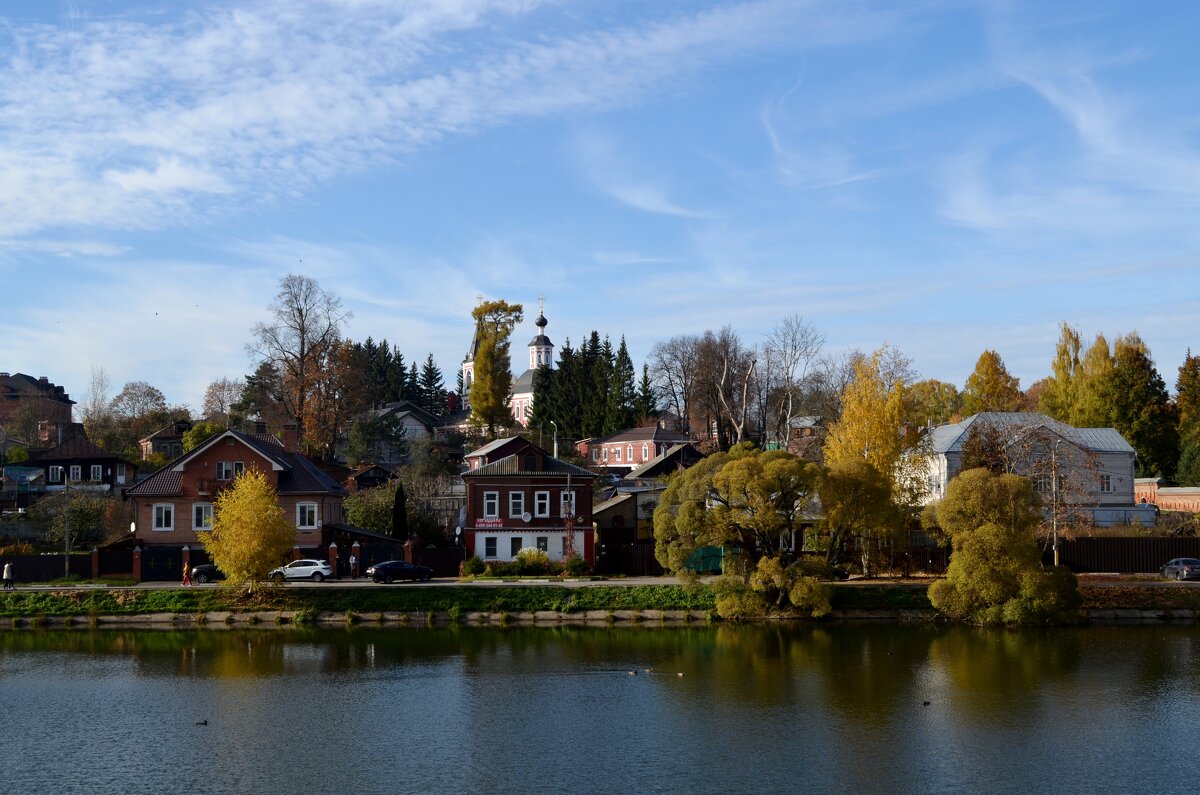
(518, 496)
(174, 505)
(628, 449)
(1087, 472)
(166, 441)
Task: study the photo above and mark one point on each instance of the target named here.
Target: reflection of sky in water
(759, 709)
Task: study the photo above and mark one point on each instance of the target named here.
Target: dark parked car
(206, 572)
(1182, 569)
(392, 570)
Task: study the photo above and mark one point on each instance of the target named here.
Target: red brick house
(1154, 491)
(49, 405)
(518, 496)
(630, 448)
(174, 505)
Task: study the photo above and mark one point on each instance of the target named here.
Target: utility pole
(1054, 497)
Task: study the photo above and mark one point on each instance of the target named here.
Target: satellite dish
(525, 517)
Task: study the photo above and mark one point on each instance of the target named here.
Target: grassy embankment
(462, 599)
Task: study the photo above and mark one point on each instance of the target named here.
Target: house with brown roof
(628, 449)
(48, 405)
(174, 505)
(79, 463)
(166, 441)
(518, 495)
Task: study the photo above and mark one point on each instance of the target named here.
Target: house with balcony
(81, 465)
(1087, 472)
(174, 505)
(518, 495)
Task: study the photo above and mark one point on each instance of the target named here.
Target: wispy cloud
(132, 123)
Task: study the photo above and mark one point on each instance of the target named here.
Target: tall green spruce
(430, 388)
(1141, 409)
(622, 396)
(646, 404)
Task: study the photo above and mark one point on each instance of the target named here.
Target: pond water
(776, 709)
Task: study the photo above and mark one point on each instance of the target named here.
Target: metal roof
(950, 438)
(511, 466)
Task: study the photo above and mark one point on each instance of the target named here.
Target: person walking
(187, 574)
(8, 580)
(353, 567)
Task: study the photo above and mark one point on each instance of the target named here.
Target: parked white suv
(315, 570)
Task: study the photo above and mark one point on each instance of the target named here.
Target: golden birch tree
(251, 534)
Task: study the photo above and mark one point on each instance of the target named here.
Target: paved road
(366, 583)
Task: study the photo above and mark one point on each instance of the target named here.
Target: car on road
(315, 570)
(392, 570)
(1181, 569)
(206, 572)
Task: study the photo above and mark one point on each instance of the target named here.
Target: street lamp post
(1054, 498)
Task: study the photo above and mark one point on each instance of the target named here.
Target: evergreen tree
(431, 388)
(647, 403)
(622, 394)
(991, 387)
(1141, 409)
(598, 360)
(494, 323)
(412, 385)
(1187, 397)
(565, 396)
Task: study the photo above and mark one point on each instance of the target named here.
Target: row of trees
(591, 392)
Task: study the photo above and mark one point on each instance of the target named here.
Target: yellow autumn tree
(250, 535)
(877, 426)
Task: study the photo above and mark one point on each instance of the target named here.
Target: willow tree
(995, 574)
(494, 324)
(251, 534)
(746, 499)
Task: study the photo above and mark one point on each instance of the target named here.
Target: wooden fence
(1135, 555)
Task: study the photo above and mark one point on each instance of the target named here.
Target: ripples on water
(758, 709)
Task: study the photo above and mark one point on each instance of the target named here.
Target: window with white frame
(616, 453)
(56, 474)
(516, 503)
(645, 452)
(76, 473)
(164, 516)
(629, 453)
(224, 470)
(202, 516)
(120, 473)
(541, 503)
(491, 504)
(595, 454)
(239, 468)
(604, 454)
(1106, 484)
(489, 547)
(568, 503)
(1041, 483)
(97, 473)
(306, 516)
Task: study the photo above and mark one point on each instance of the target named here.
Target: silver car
(315, 570)
(1182, 569)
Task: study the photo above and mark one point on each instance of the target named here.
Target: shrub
(531, 560)
(575, 566)
(472, 567)
(736, 599)
(810, 595)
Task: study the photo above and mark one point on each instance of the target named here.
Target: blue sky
(943, 176)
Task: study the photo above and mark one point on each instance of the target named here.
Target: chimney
(260, 428)
(43, 379)
(291, 438)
